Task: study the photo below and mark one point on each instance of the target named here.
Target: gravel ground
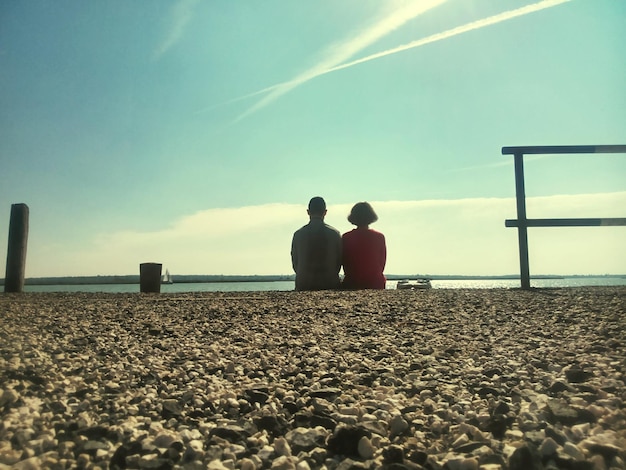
(438, 379)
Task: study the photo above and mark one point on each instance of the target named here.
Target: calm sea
(289, 285)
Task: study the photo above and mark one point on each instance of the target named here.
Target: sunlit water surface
(289, 285)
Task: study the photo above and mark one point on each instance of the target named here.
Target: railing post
(522, 223)
(16, 251)
(522, 229)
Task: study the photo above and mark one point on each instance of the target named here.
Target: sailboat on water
(167, 278)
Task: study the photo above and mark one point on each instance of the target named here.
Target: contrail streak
(239, 98)
(284, 87)
(507, 15)
(182, 13)
(347, 49)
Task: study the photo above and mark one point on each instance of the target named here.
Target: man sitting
(316, 251)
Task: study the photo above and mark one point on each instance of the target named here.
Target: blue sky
(194, 132)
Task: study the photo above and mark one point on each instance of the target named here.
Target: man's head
(317, 207)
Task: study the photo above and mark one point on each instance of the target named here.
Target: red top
(364, 257)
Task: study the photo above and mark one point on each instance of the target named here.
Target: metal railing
(522, 222)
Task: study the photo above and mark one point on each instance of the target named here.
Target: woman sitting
(364, 251)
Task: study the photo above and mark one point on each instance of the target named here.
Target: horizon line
(292, 275)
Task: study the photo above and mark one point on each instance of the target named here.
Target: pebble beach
(459, 379)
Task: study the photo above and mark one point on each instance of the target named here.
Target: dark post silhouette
(522, 231)
(522, 223)
(150, 277)
(16, 252)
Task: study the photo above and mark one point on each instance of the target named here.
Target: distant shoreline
(194, 279)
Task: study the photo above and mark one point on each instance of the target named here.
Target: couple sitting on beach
(318, 251)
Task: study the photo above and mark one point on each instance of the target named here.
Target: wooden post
(16, 251)
(522, 228)
(150, 277)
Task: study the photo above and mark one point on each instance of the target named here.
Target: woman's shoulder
(376, 233)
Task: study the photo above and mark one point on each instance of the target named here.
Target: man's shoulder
(303, 231)
(332, 229)
(315, 228)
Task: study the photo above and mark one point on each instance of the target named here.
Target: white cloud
(464, 236)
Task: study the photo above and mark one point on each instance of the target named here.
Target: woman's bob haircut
(362, 214)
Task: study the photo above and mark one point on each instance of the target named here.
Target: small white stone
(349, 410)
(461, 440)
(281, 447)
(10, 456)
(258, 463)
(548, 447)
(483, 451)
(454, 462)
(233, 403)
(8, 397)
(32, 463)
(190, 434)
(598, 462)
(283, 463)
(365, 448)
(580, 431)
(424, 394)
(437, 426)
(617, 463)
(573, 451)
(597, 411)
(216, 465)
(265, 452)
(469, 464)
(196, 445)
(515, 434)
(398, 425)
(303, 465)
(508, 450)
(164, 440)
(247, 464)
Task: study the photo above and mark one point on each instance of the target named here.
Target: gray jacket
(316, 256)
